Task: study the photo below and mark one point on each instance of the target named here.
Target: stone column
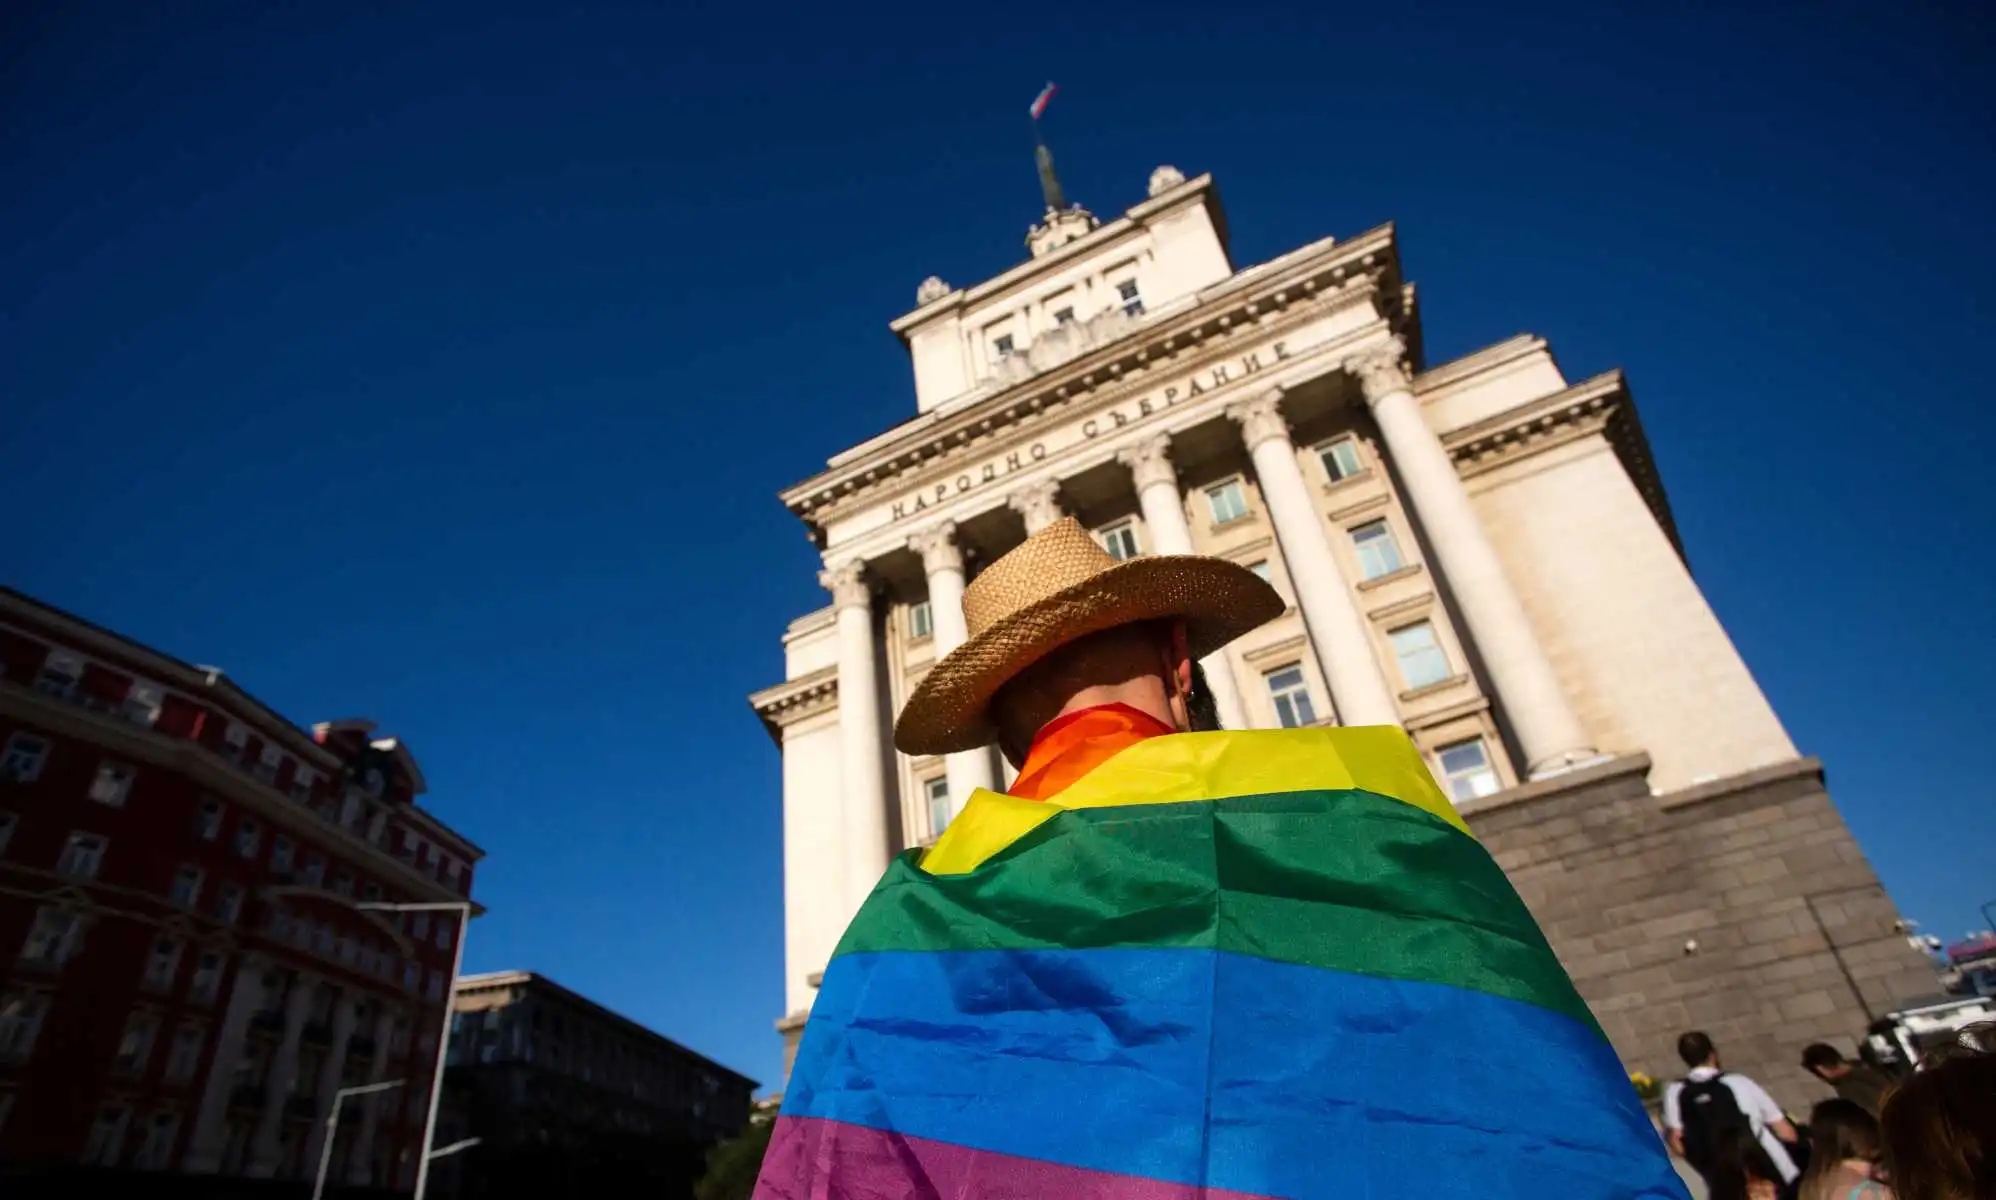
(360, 1151)
(1338, 631)
(344, 1018)
(1545, 724)
(1039, 504)
(942, 559)
(283, 1072)
(204, 1144)
(1150, 467)
(861, 769)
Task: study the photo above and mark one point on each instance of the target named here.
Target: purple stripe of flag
(814, 1159)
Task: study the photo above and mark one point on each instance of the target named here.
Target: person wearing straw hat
(1073, 655)
(1181, 963)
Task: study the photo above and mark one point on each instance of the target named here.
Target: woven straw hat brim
(1218, 600)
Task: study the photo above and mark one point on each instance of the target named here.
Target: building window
(1063, 316)
(302, 780)
(1291, 694)
(1378, 552)
(445, 932)
(1340, 458)
(1227, 502)
(142, 705)
(1120, 540)
(1262, 572)
(229, 904)
(434, 987)
(919, 620)
(249, 835)
(412, 975)
(282, 853)
(315, 869)
(208, 819)
(419, 925)
(343, 884)
(53, 939)
(21, 1015)
(1132, 299)
(61, 671)
(268, 762)
(24, 758)
(156, 1142)
(936, 792)
(162, 964)
(82, 855)
(113, 784)
(135, 1044)
(186, 886)
(236, 740)
(107, 1138)
(1467, 771)
(207, 978)
(183, 1054)
(7, 822)
(1001, 346)
(1421, 659)
(370, 891)
(454, 874)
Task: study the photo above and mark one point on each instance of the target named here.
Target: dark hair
(1736, 1160)
(1939, 1127)
(1818, 1055)
(1839, 1129)
(1695, 1048)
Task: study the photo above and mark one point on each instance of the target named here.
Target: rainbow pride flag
(1219, 965)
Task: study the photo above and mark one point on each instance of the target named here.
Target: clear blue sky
(442, 366)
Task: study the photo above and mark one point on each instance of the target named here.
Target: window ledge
(1429, 689)
(1411, 569)
(1348, 482)
(1240, 522)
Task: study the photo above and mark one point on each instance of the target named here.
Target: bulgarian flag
(1218, 966)
(1040, 101)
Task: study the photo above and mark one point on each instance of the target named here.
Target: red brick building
(186, 978)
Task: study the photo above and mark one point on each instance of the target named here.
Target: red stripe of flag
(1040, 101)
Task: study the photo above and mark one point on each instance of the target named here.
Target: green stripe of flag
(1342, 880)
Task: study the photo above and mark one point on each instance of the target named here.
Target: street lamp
(333, 1126)
(463, 910)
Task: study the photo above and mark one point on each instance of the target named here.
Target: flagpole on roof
(1043, 157)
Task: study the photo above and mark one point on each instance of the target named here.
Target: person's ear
(1181, 658)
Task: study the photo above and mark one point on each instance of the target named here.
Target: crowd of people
(1928, 1136)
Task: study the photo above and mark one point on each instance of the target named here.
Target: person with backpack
(1707, 1110)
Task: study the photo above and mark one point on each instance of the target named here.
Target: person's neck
(1145, 695)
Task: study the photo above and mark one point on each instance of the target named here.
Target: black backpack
(1710, 1112)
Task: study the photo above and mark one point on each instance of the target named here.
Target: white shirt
(1759, 1107)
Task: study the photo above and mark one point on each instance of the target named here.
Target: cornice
(1537, 425)
(794, 700)
(1268, 300)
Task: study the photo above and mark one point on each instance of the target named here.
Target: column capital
(1381, 368)
(938, 547)
(1149, 462)
(1260, 418)
(1038, 503)
(847, 582)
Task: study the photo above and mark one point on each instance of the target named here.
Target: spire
(1049, 182)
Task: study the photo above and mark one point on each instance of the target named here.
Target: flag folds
(1040, 101)
(1219, 965)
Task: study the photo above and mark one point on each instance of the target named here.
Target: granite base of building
(1742, 907)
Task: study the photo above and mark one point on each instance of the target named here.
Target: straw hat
(1057, 587)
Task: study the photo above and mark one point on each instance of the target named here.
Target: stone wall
(1622, 880)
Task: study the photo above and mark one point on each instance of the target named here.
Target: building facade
(185, 977)
(1479, 551)
(568, 1097)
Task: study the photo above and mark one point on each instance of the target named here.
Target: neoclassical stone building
(1480, 551)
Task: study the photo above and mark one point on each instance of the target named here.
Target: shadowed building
(567, 1097)
(1480, 551)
